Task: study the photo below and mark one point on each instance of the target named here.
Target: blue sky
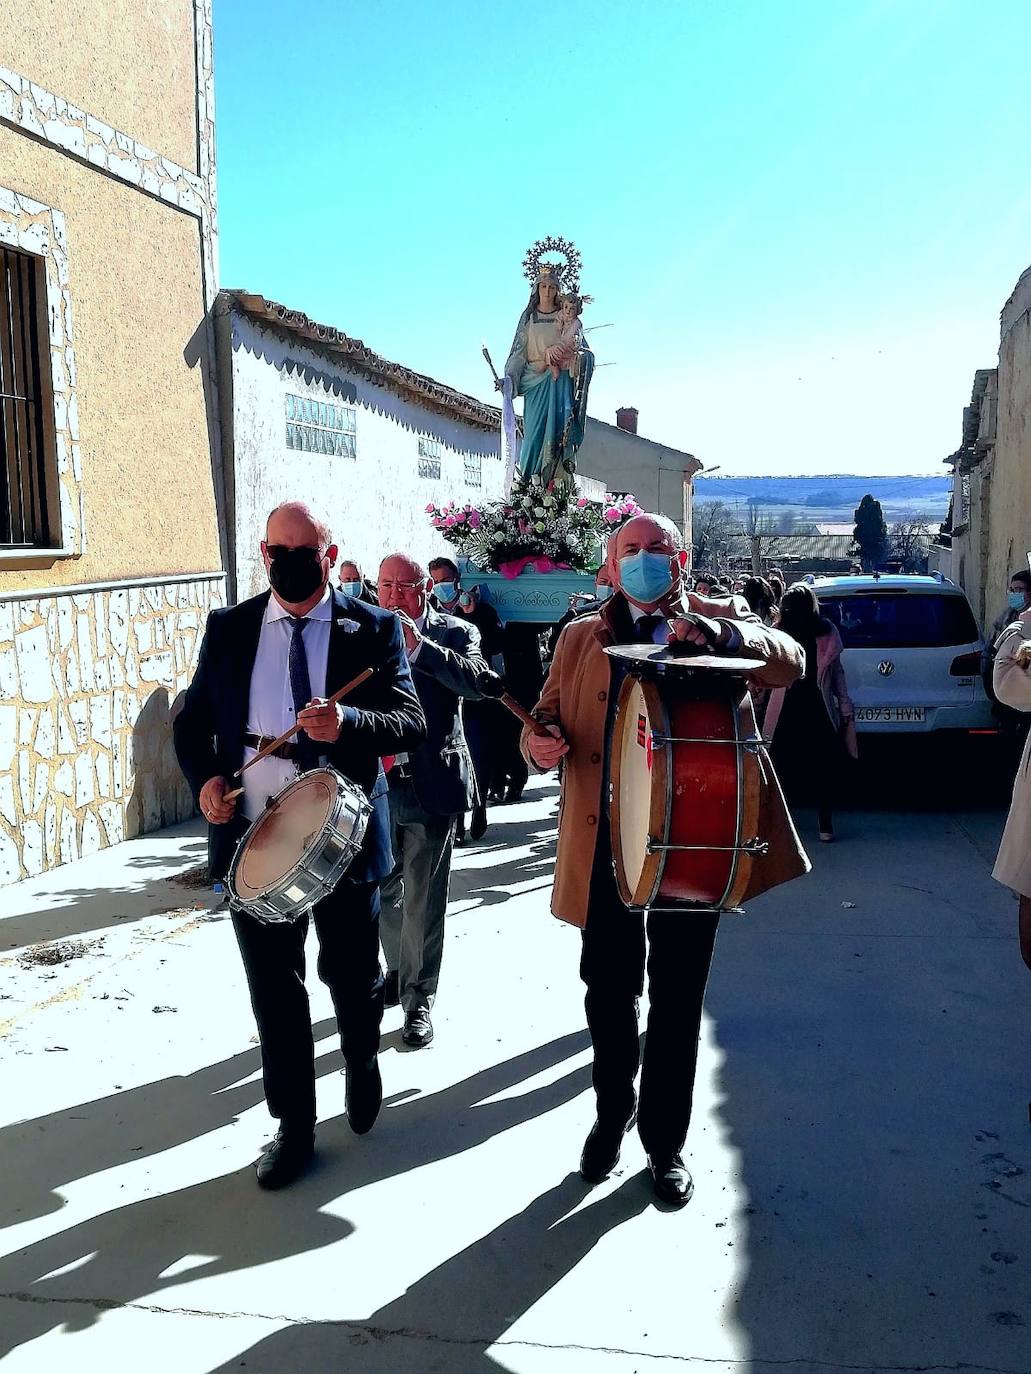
(802, 219)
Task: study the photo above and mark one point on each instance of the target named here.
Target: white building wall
(376, 501)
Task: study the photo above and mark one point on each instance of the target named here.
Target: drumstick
(289, 734)
(493, 687)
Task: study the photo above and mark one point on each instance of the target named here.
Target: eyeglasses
(385, 586)
(275, 551)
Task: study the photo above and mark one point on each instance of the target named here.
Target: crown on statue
(565, 273)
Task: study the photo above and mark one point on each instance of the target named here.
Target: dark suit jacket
(382, 716)
(446, 668)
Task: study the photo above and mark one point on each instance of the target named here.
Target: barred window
(429, 457)
(317, 426)
(25, 461)
(474, 470)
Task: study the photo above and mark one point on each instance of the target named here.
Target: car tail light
(966, 665)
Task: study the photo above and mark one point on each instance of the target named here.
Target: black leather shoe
(671, 1180)
(363, 1097)
(391, 990)
(478, 823)
(601, 1148)
(418, 1031)
(286, 1158)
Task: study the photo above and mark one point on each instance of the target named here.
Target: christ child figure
(568, 339)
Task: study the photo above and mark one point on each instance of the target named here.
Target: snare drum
(298, 849)
(684, 781)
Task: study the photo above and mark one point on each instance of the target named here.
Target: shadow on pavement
(452, 1316)
(87, 910)
(130, 1252)
(873, 1095)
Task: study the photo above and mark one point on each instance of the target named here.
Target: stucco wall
(377, 500)
(1010, 520)
(134, 268)
(88, 682)
(629, 462)
(131, 65)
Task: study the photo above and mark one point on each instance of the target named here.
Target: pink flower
(612, 515)
(474, 519)
(438, 524)
(449, 521)
(430, 508)
(509, 510)
(582, 502)
(460, 517)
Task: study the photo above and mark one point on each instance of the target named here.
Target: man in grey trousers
(429, 789)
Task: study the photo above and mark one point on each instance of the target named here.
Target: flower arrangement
(554, 524)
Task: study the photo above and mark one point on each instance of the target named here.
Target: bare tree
(761, 533)
(908, 541)
(715, 525)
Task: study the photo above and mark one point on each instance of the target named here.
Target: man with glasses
(430, 787)
(266, 665)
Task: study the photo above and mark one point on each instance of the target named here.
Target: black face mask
(296, 574)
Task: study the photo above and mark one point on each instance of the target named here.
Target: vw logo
(886, 668)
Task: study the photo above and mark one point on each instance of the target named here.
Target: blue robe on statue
(554, 409)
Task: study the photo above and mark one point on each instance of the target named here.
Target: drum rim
(342, 790)
(644, 893)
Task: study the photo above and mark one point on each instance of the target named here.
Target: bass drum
(299, 848)
(684, 785)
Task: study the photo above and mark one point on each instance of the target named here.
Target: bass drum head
(280, 838)
(633, 791)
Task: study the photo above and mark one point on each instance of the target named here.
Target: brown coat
(1013, 688)
(575, 698)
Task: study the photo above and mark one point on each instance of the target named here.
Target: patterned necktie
(645, 627)
(300, 690)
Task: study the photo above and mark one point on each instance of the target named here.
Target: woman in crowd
(1012, 682)
(810, 724)
(760, 597)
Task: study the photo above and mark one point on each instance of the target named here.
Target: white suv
(912, 652)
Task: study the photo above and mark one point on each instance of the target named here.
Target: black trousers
(678, 953)
(347, 925)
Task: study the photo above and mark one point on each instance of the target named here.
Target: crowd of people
(428, 745)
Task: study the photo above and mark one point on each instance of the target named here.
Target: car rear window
(901, 620)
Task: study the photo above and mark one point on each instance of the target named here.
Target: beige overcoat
(575, 698)
(1013, 688)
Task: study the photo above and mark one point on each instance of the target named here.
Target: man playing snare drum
(645, 562)
(266, 665)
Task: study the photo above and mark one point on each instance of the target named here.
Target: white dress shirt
(412, 654)
(271, 707)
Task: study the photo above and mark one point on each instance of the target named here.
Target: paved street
(861, 1144)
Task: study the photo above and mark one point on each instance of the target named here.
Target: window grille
(429, 457)
(317, 426)
(473, 470)
(24, 355)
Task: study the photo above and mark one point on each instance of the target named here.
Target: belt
(258, 742)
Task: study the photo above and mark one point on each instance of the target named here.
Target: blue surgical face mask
(646, 577)
(1016, 600)
(446, 592)
(351, 588)
(602, 591)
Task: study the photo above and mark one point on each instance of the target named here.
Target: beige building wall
(130, 64)
(1010, 505)
(135, 281)
(107, 180)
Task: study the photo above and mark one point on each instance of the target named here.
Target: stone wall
(89, 680)
(1010, 523)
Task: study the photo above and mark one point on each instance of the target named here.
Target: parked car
(912, 653)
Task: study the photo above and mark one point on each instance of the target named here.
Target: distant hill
(832, 497)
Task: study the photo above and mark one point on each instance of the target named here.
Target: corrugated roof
(394, 376)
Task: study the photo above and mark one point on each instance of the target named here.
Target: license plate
(899, 714)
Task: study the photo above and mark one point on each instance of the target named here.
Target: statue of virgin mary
(553, 385)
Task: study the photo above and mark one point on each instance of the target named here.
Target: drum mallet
(289, 734)
(493, 687)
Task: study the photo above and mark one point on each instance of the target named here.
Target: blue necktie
(300, 690)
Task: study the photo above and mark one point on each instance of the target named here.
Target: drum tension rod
(752, 744)
(758, 848)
